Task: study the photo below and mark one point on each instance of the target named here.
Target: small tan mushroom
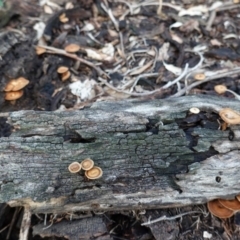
(218, 210)
(229, 116)
(199, 76)
(63, 18)
(62, 69)
(72, 48)
(220, 89)
(13, 95)
(94, 173)
(65, 75)
(74, 167)
(16, 84)
(232, 204)
(194, 110)
(40, 50)
(87, 164)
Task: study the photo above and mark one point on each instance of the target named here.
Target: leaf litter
(127, 49)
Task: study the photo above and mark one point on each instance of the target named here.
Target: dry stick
(227, 6)
(109, 12)
(25, 225)
(167, 85)
(145, 93)
(12, 222)
(73, 56)
(218, 75)
(168, 218)
(159, 11)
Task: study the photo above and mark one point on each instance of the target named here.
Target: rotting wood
(150, 158)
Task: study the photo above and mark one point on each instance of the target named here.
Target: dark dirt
(137, 38)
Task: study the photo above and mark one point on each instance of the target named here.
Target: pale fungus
(220, 89)
(238, 197)
(63, 18)
(16, 84)
(87, 164)
(62, 69)
(13, 95)
(72, 48)
(65, 75)
(94, 173)
(218, 210)
(229, 116)
(74, 167)
(232, 204)
(199, 76)
(194, 110)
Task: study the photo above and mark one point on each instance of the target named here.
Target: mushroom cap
(40, 50)
(72, 48)
(194, 110)
(220, 89)
(229, 116)
(87, 164)
(16, 84)
(232, 204)
(65, 75)
(62, 69)
(74, 167)
(199, 76)
(218, 210)
(94, 173)
(13, 95)
(63, 18)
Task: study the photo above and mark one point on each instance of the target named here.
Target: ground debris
(86, 228)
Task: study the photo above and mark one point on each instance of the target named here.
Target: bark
(153, 154)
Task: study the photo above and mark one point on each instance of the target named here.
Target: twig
(163, 218)
(216, 76)
(5, 228)
(109, 12)
(12, 222)
(210, 20)
(170, 83)
(159, 11)
(73, 56)
(26, 222)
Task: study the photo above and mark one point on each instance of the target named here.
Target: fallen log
(153, 154)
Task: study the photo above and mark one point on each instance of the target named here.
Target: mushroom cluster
(91, 171)
(223, 208)
(14, 88)
(64, 72)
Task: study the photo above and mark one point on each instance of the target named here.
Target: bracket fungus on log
(232, 204)
(87, 164)
(74, 167)
(218, 210)
(94, 173)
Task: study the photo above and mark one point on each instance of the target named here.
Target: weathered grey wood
(140, 169)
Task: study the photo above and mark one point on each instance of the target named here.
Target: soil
(127, 49)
